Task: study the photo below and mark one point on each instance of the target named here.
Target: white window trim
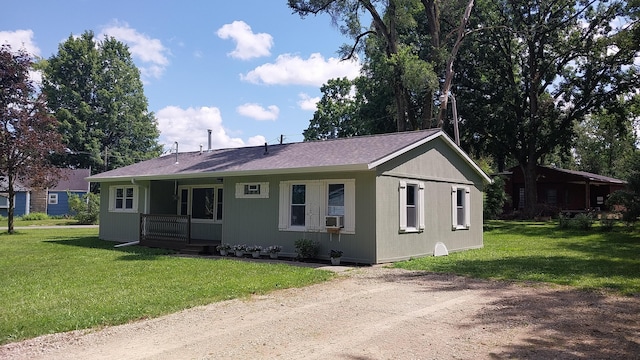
(52, 199)
(189, 189)
(264, 191)
(454, 207)
(316, 205)
(420, 211)
(112, 198)
(6, 196)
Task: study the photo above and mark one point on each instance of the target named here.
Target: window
(335, 200)
(4, 201)
(202, 202)
(552, 196)
(123, 198)
(298, 205)
(411, 206)
(461, 207)
(252, 190)
(521, 198)
(52, 199)
(305, 205)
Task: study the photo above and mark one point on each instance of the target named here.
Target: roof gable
(343, 154)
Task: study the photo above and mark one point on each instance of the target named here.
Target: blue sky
(249, 70)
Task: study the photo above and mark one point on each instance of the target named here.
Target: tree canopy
(537, 69)
(527, 74)
(94, 89)
(410, 42)
(28, 135)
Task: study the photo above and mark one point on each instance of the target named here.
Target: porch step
(195, 249)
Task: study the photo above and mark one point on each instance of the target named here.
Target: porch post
(587, 192)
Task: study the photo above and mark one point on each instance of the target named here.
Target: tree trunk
(446, 87)
(401, 109)
(10, 211)
(529, 170)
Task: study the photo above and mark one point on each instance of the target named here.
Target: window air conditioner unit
(333, 222)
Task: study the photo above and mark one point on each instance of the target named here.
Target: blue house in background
(72, 182)
(21, 200)
(52, 201)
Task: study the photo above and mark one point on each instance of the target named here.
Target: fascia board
(222, 174)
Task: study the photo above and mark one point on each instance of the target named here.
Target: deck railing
(166, 228)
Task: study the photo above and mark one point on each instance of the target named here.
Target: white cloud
(308, 103)
(248, 44)
(150, 52)
(189, 128)
(293, 70)
(20, 40)
(257, 112)
(23, 40)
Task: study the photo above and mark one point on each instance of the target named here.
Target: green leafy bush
(35, 216)
(495, 198)
(306, 248)
(86, 209)
(563, 221)
(582, 221)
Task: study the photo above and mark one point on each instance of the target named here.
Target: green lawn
(65, 279)
(527, 251)
(18, 222)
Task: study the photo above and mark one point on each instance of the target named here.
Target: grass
(528, 251)
(19, 222)
(66, 279)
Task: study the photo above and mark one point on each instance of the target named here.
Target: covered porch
(173, 232)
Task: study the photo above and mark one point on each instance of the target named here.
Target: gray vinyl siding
(439, 168)
(255, 221)
(120, 226)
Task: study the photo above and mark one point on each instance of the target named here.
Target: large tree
(413, 42)
(95, 91)
(536, 69)
(605, 140)
(28, 134)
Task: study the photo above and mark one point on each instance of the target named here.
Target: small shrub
(86, 209)
(306, 248)
(563, 221)
(582, 221)
(35, 216)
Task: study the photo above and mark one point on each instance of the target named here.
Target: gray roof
(17, 185)
(72, 180)
(344, 154)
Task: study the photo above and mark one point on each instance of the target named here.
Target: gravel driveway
(372, 313)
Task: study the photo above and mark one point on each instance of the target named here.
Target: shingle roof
(17, 186)
(589, 176)
(355, 153)
(73, 180)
